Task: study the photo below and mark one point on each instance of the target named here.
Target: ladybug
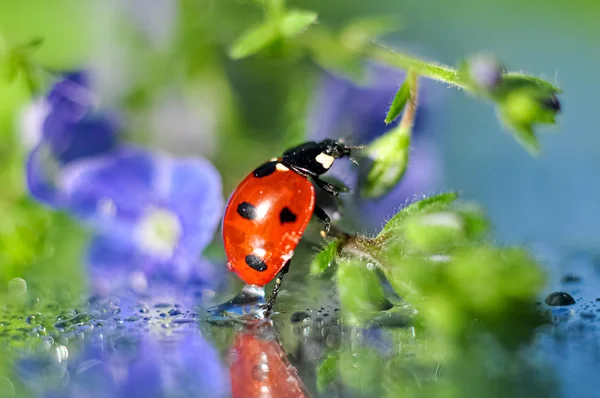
(268, 212)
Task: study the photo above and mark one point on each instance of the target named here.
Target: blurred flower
(356, 113)
(183, 365)
(154, 214)
(61, 128)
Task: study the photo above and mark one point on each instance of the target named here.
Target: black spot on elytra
(286, 216)
(256, 263)
(265, 169)
(247, 210)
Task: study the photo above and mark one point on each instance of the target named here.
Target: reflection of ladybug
(259, 367)
(269, 211)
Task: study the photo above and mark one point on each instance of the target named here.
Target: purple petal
(195, 193)
(111, 191)
(42, 173)
(112, 265)
(116, 264)
(74, 140)
(71, 97)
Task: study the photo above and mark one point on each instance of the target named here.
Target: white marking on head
(260, 252)
(281, 167)
(325, 160)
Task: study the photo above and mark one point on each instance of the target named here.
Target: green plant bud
(385, 162)
(524, 103)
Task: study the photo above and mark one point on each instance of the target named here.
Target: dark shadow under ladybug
(268, 212)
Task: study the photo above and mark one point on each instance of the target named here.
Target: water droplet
(559, 299)
(144, 310)
(571, 278)
(17, 287)
(174, 312)
(260, 371)
(62, 353)
(299, 316)
(232, 357)
(587, 315)
(138, 281)
(183, 321)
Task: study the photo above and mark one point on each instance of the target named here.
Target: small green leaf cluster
(463, 296)
(386, 158)
(522, 101)
(279, 24)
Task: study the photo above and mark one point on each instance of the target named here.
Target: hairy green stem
(408, 118)
(387, 56)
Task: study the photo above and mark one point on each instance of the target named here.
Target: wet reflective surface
(164, 344)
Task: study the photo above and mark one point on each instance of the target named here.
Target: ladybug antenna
(353, 160)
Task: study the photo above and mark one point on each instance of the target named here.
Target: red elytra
(264, 221)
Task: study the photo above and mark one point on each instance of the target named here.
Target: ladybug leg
(330, 188)
(276, 288)
(321, 215)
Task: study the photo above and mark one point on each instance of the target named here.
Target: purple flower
(356, 113)
(153, 214)
(64, 127)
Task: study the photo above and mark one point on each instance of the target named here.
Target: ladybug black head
(334, 149)
(315, 158)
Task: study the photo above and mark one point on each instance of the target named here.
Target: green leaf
(360, 292)
(296, 21)
(254, 40)
(327, 371)
(360, 32)
(526, 138)
(434, 203)
(324, 259)
(518, 79)
(433, 232)
(399, 101)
